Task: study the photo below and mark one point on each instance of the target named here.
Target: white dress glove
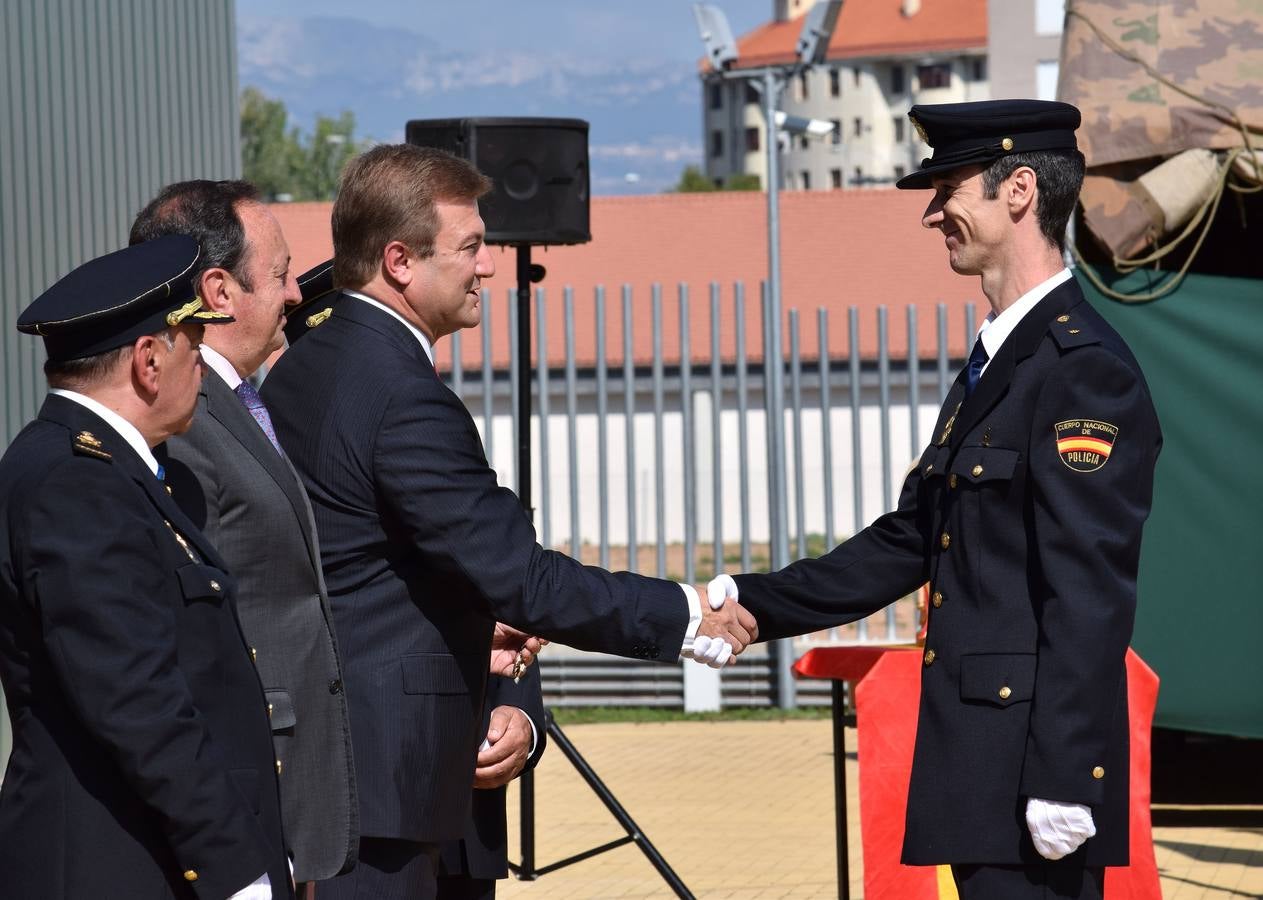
(712, 651)
(1058, 829)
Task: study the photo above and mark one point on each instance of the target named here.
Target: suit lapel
(386, 325)
(1017, 346)
(223, 405)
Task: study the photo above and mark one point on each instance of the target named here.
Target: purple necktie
(253, 402)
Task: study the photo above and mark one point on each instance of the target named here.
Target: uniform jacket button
(214, 586)
(945, 541)
(278, 767)
(335, 686)
(254, 655)
(951, 482)
(190, 875)
(1005, 692)
(1098, 772)
(937, 599)
(929, 657)
(977, 470)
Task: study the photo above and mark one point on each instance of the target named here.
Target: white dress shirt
(996, 328)
(216, 362)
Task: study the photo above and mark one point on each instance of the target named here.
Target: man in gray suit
(232, 478)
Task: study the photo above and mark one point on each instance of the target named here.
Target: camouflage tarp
(1212, 49)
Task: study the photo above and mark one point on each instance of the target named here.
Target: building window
(803, 92)
(859, 176)
(1046, 79)
(857, 127)
(835, 179)
(855, 75)
(716, 143)
(898, 120)
(752, 95)
(752, 140)
(899, 170)
(896, 79)
(716, 96)
(1049, 15)
(806, 180)
(802, 142)
(938, 75)
(980, 68)
(835, 136)
(835, 83)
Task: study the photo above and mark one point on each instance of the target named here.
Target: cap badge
(1085, 444)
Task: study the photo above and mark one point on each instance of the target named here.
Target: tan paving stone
(773, 837)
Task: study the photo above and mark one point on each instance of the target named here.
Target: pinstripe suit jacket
(248, 500)
(422, 551)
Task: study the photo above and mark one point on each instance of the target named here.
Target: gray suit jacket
(227, 477)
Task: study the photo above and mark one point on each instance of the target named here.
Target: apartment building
(885, 56)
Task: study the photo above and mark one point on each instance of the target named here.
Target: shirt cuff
(534, 732)
(695, 619)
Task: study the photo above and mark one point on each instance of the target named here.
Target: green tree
(283, 162)
(694, 181)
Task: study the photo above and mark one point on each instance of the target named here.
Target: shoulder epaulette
(1069, 333)
(88, 444)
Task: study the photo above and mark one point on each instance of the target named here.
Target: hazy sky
(628, 68)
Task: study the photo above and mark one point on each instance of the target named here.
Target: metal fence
(664, 465)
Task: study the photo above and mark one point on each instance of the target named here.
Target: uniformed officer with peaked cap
(1024, 514)
(316, 286)
(141, 762)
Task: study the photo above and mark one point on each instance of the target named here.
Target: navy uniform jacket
(421, 551)
(1025, 517)
(141, 747)
(483, 850)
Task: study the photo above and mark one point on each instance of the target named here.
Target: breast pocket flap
(998, 678)
(982, 464)
(280, 709)
(202, 582)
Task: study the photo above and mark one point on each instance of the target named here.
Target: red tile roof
(859, 248)
(874, 28)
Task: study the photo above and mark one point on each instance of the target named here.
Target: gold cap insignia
(194, 309)
(920, 130)
(317, 318)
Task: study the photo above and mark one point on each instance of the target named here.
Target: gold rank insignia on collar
(318, 318)
(947, 429)
(89, 444)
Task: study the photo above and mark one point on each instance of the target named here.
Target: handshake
(726, 627)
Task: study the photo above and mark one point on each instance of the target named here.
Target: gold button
(269, 710)
(945, 541)
(977, 470)
(278, 767)
(214, 585)
(254, 655)
(1063, 318)
(1074, 331)
(1007, 144)
(1098, 772)
(168, 487)
(1005, 692)
(929, 657)
(190, 875)
(951, 482)
(929, 468)
(937, 599)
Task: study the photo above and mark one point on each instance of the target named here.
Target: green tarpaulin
(1200, 615)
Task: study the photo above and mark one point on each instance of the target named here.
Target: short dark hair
(1059, 175)
(79, 374)
(389, 194)
(206, 211)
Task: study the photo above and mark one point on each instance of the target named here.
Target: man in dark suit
(422, 550)
(231, 477)
(142, 758)
(516, 736)
(1025, 517)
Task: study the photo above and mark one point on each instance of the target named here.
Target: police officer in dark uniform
(1025, 516)
(142, 762)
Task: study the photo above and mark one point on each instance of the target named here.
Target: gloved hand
(1058, 829)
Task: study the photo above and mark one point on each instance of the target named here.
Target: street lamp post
(722, 51)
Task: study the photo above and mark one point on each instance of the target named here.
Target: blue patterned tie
(977, 359)
(253, 402)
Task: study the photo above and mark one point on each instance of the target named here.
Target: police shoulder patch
(1084, 445)
(88, 444)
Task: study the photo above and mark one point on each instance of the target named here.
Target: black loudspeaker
(540, 170)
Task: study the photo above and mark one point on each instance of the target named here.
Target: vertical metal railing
(862, 387)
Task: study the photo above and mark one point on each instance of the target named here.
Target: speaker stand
(528, 274)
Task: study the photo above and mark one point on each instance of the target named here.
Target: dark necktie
(253, 402)
(977, 359)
